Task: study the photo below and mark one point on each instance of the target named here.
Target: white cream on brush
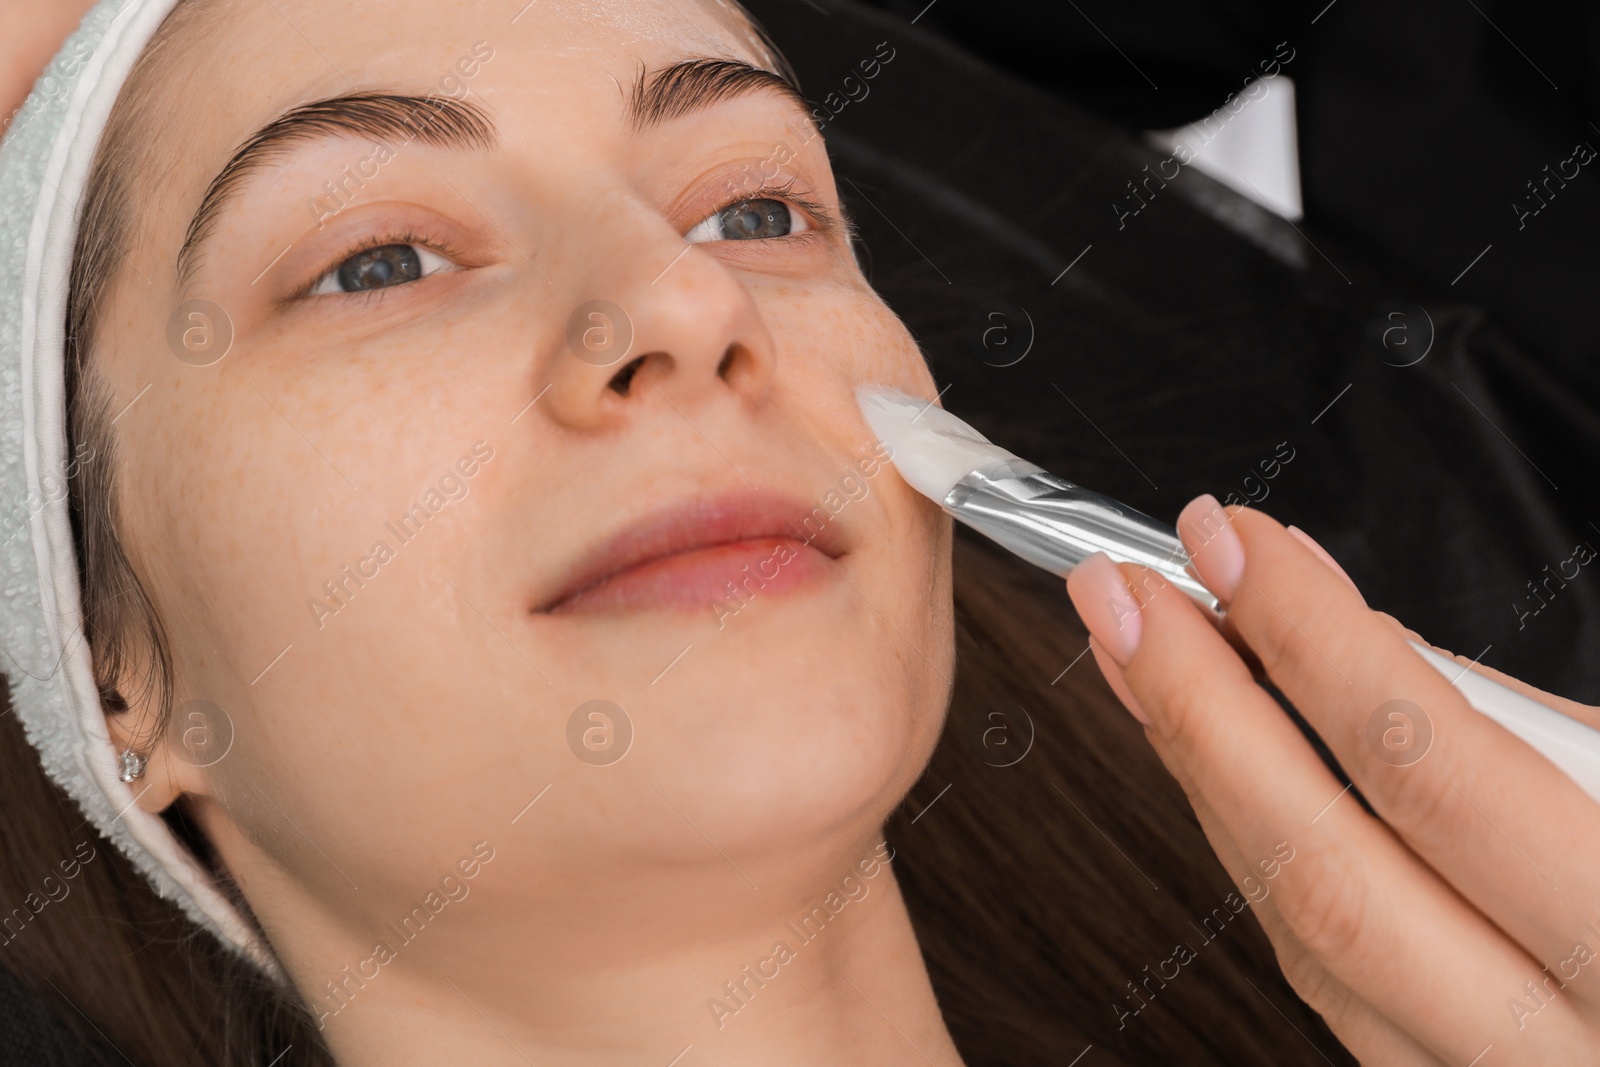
(1055, 524)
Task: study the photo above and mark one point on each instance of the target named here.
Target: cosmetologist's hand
(1460, 927)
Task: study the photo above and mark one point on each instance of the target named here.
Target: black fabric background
(36, 1032)
(1420, 125)
(1186, 345)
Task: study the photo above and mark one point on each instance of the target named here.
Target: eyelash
(367, 244)
(827, 224)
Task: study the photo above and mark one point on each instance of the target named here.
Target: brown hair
(124, 631)
(1070, 897)
(1031, 881)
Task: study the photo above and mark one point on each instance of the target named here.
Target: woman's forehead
(248, 63)
(349, 40)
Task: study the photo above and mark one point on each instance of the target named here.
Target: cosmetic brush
(1055, 524)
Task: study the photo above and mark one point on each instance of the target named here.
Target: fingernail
(1118, 684)
(1213, 545)
(1106, 605)
(1322, 554)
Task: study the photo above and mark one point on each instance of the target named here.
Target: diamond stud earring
(131, 763)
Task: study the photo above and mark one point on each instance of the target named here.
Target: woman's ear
(140, 725)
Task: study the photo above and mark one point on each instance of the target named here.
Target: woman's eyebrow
(690, 85)
(672, 91)
(439, 121)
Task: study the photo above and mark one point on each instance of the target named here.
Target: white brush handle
(1568, 743)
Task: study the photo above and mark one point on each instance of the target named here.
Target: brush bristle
(931, 448)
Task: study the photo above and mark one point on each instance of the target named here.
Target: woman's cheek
(872, 343)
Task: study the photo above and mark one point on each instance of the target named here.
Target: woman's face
(374, 528)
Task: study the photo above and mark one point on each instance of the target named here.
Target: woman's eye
(381, 268)
(748, 220)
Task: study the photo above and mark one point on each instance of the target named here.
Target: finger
(1217, 556)
(1375, 917)
(1366, 1031)
(1589, 716)
(1322, 554)
(1584, 713)
(1479, 805)
(1119, 686)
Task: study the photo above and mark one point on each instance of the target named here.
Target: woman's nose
(667, 325)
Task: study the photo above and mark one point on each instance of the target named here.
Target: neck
(704, 969)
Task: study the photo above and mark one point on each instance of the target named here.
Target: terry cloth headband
(44, 168)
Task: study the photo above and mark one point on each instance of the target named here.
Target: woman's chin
(757, 769)
(811, 705)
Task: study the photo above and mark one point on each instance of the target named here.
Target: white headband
(44, 168)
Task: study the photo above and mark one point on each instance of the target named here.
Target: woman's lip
(685, 555)
(731, 575)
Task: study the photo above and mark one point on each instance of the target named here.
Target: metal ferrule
(1055, 524)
